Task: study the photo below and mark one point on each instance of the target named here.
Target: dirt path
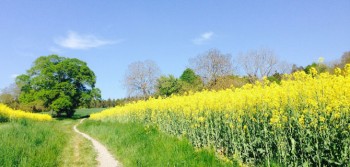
(104, 158)
(78, 151)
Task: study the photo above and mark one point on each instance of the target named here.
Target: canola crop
(303, 121)
(8, 114)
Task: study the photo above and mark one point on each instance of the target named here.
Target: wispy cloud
(203, 38)
(13, 76)
(78, 41)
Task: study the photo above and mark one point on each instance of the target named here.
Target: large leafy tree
(57, 83)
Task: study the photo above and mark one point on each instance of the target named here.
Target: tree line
(62, 84)
(214, 70)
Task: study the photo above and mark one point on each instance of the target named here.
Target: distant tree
(190, 81)
(10, 95)
(227, 82)
(57, 83)
(276, 77)
(109, 102)
(320, 67)
(308, 67)
(212, 64)
(258, 63)
(345, 59)
(295, 68)
(283, 67)
(95, 104)
(119, 102)
(189, 76)
(168, 85)
(104, 104)
(141, 78)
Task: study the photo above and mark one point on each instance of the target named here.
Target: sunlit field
(8, 114)
(302, 121)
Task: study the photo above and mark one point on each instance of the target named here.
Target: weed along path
(104, 158)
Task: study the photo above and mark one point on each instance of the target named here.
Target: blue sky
(109, 35)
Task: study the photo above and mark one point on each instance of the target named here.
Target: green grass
(78, 151)
(27, 143)
(79, 113)
(86, 111)
(135, 145)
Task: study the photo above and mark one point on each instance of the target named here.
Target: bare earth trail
(104, 158)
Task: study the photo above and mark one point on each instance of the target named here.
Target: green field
(28, 143)
(81, 112)
(86, 111)
(54, 143)
(136, 145)
(31, 143)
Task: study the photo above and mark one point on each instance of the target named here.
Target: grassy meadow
(27, 143)
(83, 112)
(78, 151)
(136, 145)
(30, 143)
(32, 140)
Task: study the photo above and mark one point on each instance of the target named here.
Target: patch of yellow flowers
(9, 114)
(305, 120)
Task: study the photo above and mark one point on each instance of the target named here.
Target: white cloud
(13, 76)
(77, 41)
(203, 38)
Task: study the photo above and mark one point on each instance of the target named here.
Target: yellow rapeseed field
(7, 113)
(305, 120)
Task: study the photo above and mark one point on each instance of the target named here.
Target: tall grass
(28, 143)
(78, 151)
(136, 145)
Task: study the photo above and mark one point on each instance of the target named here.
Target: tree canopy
(168, 85)
(57, 83)
(189, 76)
(190, 81)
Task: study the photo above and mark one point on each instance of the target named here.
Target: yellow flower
(201, 119)
(322, 119)
(313, 71)
(337, 71)
(10, 114)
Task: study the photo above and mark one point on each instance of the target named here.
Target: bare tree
(141, 78)
(258, 63)
(345, 59)
(10, 95)
(212, 64)
(340, 63)
(284, 67)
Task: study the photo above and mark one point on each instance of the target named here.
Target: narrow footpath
(104, 158)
